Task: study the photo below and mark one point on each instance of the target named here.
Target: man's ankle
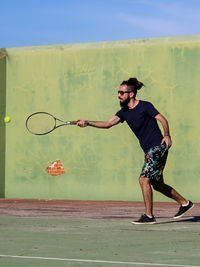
(150, 216)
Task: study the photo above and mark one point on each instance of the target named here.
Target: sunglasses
(123, 92)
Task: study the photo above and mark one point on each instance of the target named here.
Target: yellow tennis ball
(7, 119)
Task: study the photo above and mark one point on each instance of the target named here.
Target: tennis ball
(7, 119)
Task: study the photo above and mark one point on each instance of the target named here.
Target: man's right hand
(82, 123)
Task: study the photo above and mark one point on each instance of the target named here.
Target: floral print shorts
(154, 163)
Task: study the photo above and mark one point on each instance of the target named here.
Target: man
(142, 117)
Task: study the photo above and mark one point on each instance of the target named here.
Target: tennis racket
(41, 123)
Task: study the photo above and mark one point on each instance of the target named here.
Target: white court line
(98, 261)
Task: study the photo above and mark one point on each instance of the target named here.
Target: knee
(158, 186)
(144, 180)
(155, 186)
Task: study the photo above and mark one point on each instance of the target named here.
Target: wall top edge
(106, 44)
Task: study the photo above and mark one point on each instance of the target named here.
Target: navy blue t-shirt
(141, 120)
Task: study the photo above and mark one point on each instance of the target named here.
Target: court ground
(96, 233)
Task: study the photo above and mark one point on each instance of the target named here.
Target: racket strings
(41, 123)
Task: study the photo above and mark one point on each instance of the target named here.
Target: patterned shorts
(154, 163)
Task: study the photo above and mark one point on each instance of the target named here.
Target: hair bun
(134, 82)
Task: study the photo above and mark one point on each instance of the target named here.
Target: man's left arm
(165, 125)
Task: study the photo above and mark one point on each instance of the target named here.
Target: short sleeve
(120, 115)
(151, 110)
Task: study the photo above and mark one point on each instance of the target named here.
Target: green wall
(80, 81)
(2, 114)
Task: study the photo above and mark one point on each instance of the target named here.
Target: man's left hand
(167, 139)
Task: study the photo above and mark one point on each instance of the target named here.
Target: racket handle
(72, 122)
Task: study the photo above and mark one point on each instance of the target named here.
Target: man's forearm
(164, 123)
(167, 138)
(165, 127)
(98, 124)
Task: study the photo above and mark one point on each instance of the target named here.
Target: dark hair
(133, 85)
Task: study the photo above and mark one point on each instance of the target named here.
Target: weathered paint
(80, 81)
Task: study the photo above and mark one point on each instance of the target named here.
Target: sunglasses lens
(121, 92)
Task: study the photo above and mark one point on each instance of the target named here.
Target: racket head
(40, 123)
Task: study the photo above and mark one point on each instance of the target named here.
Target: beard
(124, 104)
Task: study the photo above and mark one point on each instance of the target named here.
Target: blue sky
(49, 22)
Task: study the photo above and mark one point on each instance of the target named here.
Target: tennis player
(142, 117)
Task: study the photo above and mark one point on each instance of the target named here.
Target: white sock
(185, 205)
(150, 216)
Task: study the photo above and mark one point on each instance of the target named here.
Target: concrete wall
(2, 115)
(81, 81)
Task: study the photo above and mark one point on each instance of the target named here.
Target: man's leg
(147, 192)
(169, 192)
(185, 205)
(147, 195)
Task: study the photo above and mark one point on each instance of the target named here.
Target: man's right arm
(99, 124)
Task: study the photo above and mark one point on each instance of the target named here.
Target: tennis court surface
(96, 233)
